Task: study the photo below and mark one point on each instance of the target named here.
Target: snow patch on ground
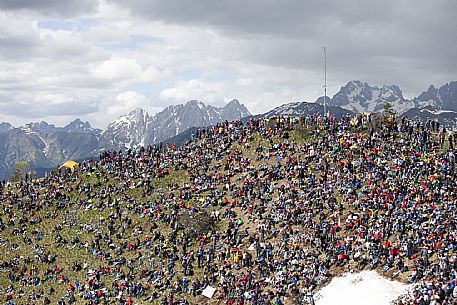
(366, 287)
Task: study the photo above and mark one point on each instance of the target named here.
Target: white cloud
(152, 75)
(116, 69)
(194, 89)
(124, 103)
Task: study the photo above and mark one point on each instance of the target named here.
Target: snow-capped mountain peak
(136, 116)
(139, 128)
(361, 97)
(444, 98)
(194, 104)
(128, 130)
(44, 145)
(235, 107)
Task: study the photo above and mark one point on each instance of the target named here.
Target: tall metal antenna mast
(325, 81)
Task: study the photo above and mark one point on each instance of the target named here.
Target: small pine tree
(19, 171)
(389, 115)
(389, 109)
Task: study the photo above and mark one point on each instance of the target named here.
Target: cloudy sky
(98, 59)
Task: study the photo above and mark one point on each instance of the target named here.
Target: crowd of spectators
(266, 211)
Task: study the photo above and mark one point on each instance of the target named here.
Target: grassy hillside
(268, 210)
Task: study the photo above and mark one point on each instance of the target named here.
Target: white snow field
(363, 288)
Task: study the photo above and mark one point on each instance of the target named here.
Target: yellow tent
(70, 164)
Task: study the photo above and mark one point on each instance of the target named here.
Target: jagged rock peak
(358, 96)
(78, 126)
(138, 111)
(233, 102)
(444, 97)
(234, 106)
(194, 104)
(138, 128)
(5, 126)
(39, 127)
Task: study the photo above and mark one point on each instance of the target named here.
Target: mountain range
(361, 97)
(139, 128)
(306, 108)
(44, 145)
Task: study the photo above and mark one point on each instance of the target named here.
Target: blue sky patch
(134, 42)
(77, 25)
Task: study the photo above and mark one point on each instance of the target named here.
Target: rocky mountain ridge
(358, 97)
(44, 145)
(140, 128)
(306, 108)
